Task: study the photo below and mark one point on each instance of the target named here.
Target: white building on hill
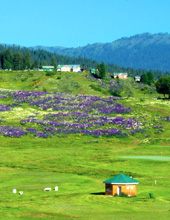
(69, 68)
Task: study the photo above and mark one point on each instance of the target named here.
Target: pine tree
(18, 61)
(144, 79)
(53, 63)
(102, 70)
(6, 59)
(27, 61)
(150, 78)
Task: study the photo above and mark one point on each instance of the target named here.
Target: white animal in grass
(47, 189)
(14, 191)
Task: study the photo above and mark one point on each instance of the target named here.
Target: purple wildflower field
(113, 84)
(4, 108)
(68, 114)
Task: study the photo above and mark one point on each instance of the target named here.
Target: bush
(95, 76)
(58, 77)
(142, 99)
(44, 89)
(30, 74)
(24, 78)
(50, 73)
(96, 87)
(123, 195)
(114, 92)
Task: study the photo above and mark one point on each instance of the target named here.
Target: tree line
(147, 78)
(19, 58)
(16, 61)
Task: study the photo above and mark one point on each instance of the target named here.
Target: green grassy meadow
(79, 164)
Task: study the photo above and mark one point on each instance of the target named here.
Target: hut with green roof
(48, 68)
(121, 184)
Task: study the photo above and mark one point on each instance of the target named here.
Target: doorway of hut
(109, 189)
(119, 190)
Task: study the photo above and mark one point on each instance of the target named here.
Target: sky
(74, 23)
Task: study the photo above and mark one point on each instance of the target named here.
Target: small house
(137, 78)
(63, 68)
(120, 75)
(48, 68)
(93, 71)
(121, 184)
(69, 68)
(76, 68)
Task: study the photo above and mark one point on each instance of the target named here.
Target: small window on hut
(108, 188)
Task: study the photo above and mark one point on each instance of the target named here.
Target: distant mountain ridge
(145, 51)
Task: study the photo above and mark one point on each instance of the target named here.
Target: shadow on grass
(164, 98)
(98, 193)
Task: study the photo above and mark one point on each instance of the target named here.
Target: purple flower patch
(4, 108)
(12, 131)
(86, 115)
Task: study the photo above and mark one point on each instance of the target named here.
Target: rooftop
(119, 74)
(47, 66)
(70, 66)
(121, 179)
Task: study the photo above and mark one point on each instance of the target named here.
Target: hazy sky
(73, 23)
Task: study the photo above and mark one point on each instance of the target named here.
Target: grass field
(78, 164)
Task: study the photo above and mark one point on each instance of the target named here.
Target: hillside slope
(145, 51)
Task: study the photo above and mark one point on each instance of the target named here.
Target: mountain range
(145, 51)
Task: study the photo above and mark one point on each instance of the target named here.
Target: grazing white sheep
(14, 191)
(20, 192)
(47, 189)
(56, 188)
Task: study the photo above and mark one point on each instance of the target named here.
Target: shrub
(96, 87)
(142, 99)
(123, 195)
(44, 89)
(30, 74)
(24, 78)
(115, 92)
(50, 73)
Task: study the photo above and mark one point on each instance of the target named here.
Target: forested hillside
(20, 58)
(145, 51)
(16, 57)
